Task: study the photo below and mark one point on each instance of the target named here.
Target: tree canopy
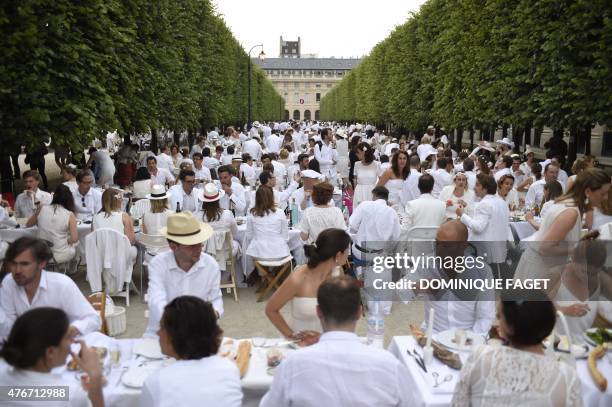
(74, 70)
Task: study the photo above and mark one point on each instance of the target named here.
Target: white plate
(149, 348)
(589, 340)
(580, 350)
(136, 376)
(446, 338)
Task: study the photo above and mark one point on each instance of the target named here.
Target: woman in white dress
(267, 227)
(157, 216)
(300, 288)
(57, 224)
(142, 183)
(560, 228)
(579, 287)
(506, 191)
(322, 215)
(393, 178)
(39, 342)
(601, 214)
(519, 374)
(457, 194)
(365, 174)
(176, 155)
(112, 217)
(189, 333)
(69, 176)
(104, 163)
(552, 190)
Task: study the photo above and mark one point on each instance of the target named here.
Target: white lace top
(504, 376)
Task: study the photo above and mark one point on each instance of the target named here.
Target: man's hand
(73, 332)
(459, 211)
(227, 189)
(296, 177)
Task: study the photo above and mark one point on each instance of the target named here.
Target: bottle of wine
(178, 207)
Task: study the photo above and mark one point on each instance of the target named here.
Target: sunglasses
(83, 202)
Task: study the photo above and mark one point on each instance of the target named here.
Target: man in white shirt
(280, 197)
(470, 310)
(562, 176)
(29, 286)
(201, 172)
(301, 165)
(208, 161)
(339, 370)
(506, 163)
(410, 189)
(185, 196)
(27, 201)
(303, 195)
(159, 176)
(517, 173)
(442, 176)
(164, 160)
(377, 228)
(535, 193)
(327, 156)
(246, 167)
(87, 200)
(273, 143)
(489, 224)
(199, 146)
(425, 210)
(253, 147)
(184, 270)
(235, 194)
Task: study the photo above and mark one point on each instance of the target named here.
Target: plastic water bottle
(376, 324)
(295, 214)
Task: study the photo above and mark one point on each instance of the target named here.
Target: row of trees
(74, 70)
(485, 64)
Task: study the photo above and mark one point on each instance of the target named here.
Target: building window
(318, 73)
(307, 115)
(296, 115)
(286, 116)
(317, 116)
(297, 97)
(340, 73)
(296, 85)
(318, 85)
(318, 97)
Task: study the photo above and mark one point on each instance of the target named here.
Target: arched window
(296, 115)
(317, 115)
(306, 114)
(286, 116)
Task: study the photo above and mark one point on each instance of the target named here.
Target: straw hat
(157, 192)
(210, 193)
(184, 229)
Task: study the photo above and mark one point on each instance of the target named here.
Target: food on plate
(600, 336)
(598, 378)
(445, 356)
(243, 356)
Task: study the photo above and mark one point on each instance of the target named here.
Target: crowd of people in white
(348, 190)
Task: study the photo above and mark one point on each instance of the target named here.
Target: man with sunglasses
(87, 200)
(184, 194)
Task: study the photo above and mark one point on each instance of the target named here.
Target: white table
(425, 395)
(523, 229)
(255, 383)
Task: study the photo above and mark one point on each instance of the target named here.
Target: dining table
(426, 394)
(120, 392)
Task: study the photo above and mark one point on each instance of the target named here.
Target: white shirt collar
(338, 336)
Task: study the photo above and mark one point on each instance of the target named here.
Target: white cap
(310, 174)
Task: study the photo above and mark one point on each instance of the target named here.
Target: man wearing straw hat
(184, 270)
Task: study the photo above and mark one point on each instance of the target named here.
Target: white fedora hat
(184, 229)
(157, 192)
(506, 141)
(210, 193)
(310, 174)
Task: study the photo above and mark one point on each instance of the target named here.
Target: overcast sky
(338, 28)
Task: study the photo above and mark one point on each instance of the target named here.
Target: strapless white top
(304, 314)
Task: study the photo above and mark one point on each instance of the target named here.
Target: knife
(421, 359)
(418, 361)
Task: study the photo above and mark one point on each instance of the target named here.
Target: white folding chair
(225, 255)
(139, 208)
(104, 263)
(270, 279)
(148, 247)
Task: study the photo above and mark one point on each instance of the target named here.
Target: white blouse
(269, 235)
(503, 376)
(153, 222)
(315, 220)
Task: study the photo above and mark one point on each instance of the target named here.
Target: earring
(586, 201)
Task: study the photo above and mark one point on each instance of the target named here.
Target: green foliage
(482, 63)
(74, 70)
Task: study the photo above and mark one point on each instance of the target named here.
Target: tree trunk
(176, 136)
(154, 138)
(587, 140)
(517, 138)
(573, 143)
(527, 139)
(471, 139)
(459, 138)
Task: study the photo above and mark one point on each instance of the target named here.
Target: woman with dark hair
(189, 333)
(536, 175)
(353, 158)
(560, 227)
(69, 173)
(57, 224)
(300, 288)
(322, 215)
(142, 183)
(552, 191)
(519, 374)
(506, 191)
(39, 342)
(314, 165)
(393, 178)
(365, 174)
(482, 165)
(267, 227)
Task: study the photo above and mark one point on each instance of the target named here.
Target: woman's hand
(306, 338)
(576, 310)
(529, 216)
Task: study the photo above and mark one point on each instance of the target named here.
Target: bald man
(467, 309)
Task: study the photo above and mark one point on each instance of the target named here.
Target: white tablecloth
(523, 229)
(254, 384)
(424, 394)
(10, 235)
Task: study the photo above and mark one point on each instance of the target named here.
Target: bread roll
(598, 378)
